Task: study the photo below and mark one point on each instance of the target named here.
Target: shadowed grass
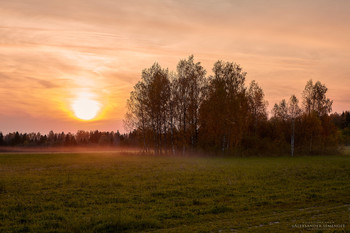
(113, 192)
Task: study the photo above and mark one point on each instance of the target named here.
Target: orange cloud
(49, 50)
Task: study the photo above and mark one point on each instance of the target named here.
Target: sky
(55, 52)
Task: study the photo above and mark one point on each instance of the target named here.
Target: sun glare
(85, 108)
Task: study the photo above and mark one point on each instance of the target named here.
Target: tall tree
(148, 105)
(257, 104)
(136, 117)
(317, 107)
(172, 110)
(294, 112)
(223, 113)
(189, 92)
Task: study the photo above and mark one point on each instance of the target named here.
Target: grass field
(117, 192)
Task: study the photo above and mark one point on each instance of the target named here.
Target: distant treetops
(187, 111)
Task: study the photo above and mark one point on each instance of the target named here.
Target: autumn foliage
(186, 111)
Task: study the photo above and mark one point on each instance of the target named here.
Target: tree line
(80, 138)
(188, 110)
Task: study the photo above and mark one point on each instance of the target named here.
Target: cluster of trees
(310, 129)
(187, 110)
(81, 138)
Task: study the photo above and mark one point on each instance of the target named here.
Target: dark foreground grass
(111, 192)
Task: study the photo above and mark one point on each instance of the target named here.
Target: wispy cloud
(51, 49)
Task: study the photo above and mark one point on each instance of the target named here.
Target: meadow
(127, 192)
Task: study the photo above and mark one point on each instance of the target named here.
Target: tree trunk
(310, 147)
(223, 143)
(144, 134)
(292, 138)
(184, 130)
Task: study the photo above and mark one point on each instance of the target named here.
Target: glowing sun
(85, 108)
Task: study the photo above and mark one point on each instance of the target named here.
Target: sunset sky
(53, 52)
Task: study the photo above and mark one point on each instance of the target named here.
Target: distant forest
(187, 111)
(81, 138)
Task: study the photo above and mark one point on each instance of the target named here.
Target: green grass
(111, 192)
